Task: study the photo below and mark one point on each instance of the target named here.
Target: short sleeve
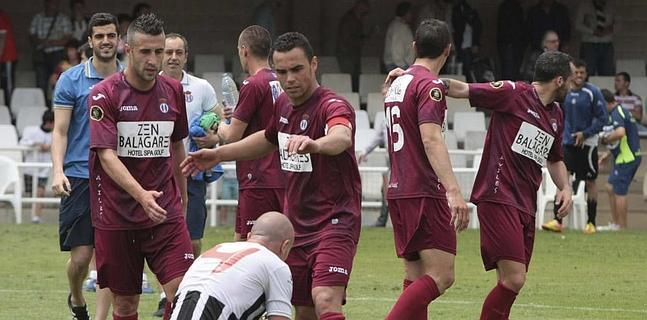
(181, 127)
(210, 98)
(494, 96)
(279, 292)
(248, 102)
(64, 95)
(617, 119)
(103, 123)
(337, 108)
(431, 103)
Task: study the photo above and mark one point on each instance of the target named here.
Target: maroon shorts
(326, 263)
(120, 255)
(507, 233)
(252, 203)
(419, 224)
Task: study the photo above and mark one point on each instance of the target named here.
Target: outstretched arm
(456, 89)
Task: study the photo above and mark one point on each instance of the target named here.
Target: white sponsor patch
(293, 163)
(144, 139)
(533, 143)
(398, 88)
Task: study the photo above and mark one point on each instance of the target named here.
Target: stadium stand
(338, 82)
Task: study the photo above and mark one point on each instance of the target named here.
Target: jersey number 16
(395, 130)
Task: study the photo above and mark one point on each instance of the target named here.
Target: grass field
(603, 276)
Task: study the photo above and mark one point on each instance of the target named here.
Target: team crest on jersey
(303, 124)
(163, 105)
(188, 96)
(96, 113)
(553, 124)
(435, 94)
(496, 84)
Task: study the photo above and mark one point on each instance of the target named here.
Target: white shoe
(610, 227)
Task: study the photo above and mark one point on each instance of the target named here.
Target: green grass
(603, 276)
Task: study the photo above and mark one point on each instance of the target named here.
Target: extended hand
(198, 161)
(301, 145)
(393, 74)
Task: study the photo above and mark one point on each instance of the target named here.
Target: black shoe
(78, 313)
(161, 307)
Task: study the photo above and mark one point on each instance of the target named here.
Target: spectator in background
(350, 40)
(40, 138)
(435, 9)
(265, 14)
(550, 42)
(626, 98)
(72, 58)
(397, 44)
(8, 57)
(141, 9)
(621, 136)
(49, 32)
(548, 15)
(79, 21)
(85, 51)
(510, 38)
(466, 25)
(595, 20)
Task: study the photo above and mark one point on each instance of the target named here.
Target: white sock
(162, 295)
(93, 274)
(144, 277)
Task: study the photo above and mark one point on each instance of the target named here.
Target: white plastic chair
(5, 114)
(9, 139)
(209, 63)
(368, 83)
(375, 103)
(27, 97)
(457, 105)
(9, 175)
(474, 140)
(577, 217)
(378, 119)
(370, 64)
(2, 102)
(338, 82)
(363, 138)
(352, 97)
(545, 195)
(361, 120)
(29, 116)
(464, 121)
(458, 160)
(327, 64)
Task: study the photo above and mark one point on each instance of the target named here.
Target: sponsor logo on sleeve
(97, 97)
(435, 94)
(496, 84)
(533, 143)
(96, 113)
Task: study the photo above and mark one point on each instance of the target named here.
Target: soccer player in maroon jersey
(313, 129)
(261, 185)
(424, 196)
(525, 134)
(138, 121)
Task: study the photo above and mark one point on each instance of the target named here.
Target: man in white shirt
(397, 44)
(241, 280)
(40, 138)
(200, 98)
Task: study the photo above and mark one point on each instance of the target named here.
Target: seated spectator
(621, 137)
(550, 42)
(72, 58)
(626, 98)
(595, 20)
(79, 21)
(548, 15)
(40, 138)
(399, 37)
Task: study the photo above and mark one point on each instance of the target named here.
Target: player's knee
(515, 281)
(80, 259)
(125, 305)
(444, 280)
(326, 300)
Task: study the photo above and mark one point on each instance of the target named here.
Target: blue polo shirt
(72, 91)
(584, 110)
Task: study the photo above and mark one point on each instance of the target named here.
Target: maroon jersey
(523, 134)
(255, 107)
(323, 193)
(140, 126)
(413, 99)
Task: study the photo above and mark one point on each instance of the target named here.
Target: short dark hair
(291, 40)
(181, 37)
(579, 63)
(148, 24)
(48, 116)
(432, 37)
(552, 64)
(608, 96)
(258, 40)
(624, 75)
(402, 9)
(102, 19)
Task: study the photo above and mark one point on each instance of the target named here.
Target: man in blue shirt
(70, 150)
(621, 136)
(584, 116)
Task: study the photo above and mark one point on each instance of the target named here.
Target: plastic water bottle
(229, 93)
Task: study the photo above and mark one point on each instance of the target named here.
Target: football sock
(406, 283)
(592, 210)
(413, 301)
(131, 317)
(332, 316)
(167, 310)
(555, 208)
(498, 303)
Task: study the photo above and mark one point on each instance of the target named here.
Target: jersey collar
(91, 72)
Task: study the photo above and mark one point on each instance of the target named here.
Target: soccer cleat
(610, 227)
(90, 285)
(78, 313)
(146, 287)
(589, 228)
(552, 225)
(161, 307)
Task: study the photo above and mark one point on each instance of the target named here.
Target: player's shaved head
(273, 226)
(257, 40)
